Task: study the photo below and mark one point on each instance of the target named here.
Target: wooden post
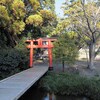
(50, 55)
(31, 54)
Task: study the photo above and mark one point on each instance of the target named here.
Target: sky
(58, 4)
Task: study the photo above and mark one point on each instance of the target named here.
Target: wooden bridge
(15, 86)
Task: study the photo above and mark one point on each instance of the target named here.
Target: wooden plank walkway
(15, 86)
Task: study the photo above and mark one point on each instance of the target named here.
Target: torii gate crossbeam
(40, 44)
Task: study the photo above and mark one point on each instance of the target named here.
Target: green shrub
(71, 84)
(12, 61)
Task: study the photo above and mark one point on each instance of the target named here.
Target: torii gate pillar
(50, 55)
(31, 54)
(40, 41)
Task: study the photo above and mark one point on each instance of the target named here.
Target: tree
(83, 17)
(21, 16)
(46, 11)
(65, 50)
(48, 4)
(11, 19)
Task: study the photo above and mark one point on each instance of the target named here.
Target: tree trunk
(91, 55)
(10, 39)
(63, 65)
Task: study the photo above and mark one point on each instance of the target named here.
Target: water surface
(36, 94)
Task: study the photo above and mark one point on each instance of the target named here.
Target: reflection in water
(49, 97)
(70, 98)
(56, 97)
(36, 94)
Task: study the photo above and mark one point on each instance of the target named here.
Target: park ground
(80, 66)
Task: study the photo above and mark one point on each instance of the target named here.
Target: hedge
(71, 84)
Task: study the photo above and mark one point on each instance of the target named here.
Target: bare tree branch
(86, 18)
(93, 35)
(81, 36)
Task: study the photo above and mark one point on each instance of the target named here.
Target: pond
(36, 94)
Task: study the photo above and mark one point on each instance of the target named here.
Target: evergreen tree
(65, 50)
(19, 17)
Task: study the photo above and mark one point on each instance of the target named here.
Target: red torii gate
(39, 44)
